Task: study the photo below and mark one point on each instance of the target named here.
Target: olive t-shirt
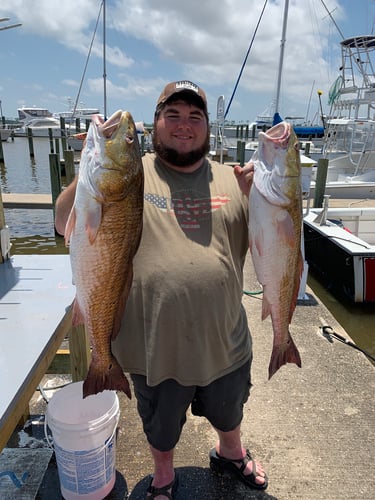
(184, 318)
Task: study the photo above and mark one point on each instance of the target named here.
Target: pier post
(69, 165)
(50, 135)
(4, 234)
(241, 152)
(54, 167)
(63, 133)
(1, 153)
(320, 184)
(30, 141)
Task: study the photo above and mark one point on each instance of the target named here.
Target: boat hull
(343, 262)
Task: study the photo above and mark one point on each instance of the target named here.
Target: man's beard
(173, 157)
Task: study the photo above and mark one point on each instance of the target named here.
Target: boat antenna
(332, 19)
(243, 64)
(87, 61)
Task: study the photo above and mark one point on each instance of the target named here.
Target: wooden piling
(57, 146)
(50, 136)
(241, 153)
(320, 184)
(1, 152)
(2, 224)
(30, 141)
(54, 166)
(63, 134)
(69, 165)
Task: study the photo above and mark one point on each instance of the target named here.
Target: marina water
(32, 231)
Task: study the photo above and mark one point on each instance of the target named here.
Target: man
(184, 337)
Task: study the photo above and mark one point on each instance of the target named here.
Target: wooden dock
(25, 200)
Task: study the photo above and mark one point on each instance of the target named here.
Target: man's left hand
(244, 177)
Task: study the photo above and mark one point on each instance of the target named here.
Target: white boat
(40, 127)
(349, 140)
(5, 133)
(340, 247)
(29, 113)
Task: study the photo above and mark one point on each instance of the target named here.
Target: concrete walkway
(312, 428)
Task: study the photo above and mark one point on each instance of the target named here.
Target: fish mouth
(109, 128)
(278, 134)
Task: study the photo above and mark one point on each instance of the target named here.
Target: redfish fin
(266, 307)
(70, 225)
(112, 379)
(77, 316)
(93, 220)
(286, 232)
(282, 354)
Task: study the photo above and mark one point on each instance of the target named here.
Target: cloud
(150, 42)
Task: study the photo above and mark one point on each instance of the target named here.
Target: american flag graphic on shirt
(190, 211)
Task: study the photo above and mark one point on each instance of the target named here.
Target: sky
(152, 42)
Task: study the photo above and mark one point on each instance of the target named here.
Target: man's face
(181, 135)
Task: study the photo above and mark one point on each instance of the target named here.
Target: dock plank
(35, 316)
(27, 200)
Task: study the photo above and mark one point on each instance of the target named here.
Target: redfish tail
(112, 379)
(282, 354)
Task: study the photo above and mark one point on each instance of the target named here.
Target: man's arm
(64, 205)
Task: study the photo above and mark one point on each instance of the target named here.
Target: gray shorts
(163, 407)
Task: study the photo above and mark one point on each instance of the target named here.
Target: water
(32, 231)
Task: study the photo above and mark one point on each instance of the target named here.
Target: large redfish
(275, 224)
(104, 230)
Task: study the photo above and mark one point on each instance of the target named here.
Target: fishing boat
(40, 127)
(349, 140)
(340, 248)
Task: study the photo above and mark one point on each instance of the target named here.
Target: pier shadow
(199, 482)
(9, 276)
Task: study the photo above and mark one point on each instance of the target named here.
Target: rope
(328, 332)
(243, 64)
(87, 59)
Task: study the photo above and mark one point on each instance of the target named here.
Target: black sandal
(220, 464)
(153, 492)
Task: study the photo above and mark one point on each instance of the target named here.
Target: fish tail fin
(282, 354)
(112, 379)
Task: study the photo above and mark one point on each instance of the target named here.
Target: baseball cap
(182, 86)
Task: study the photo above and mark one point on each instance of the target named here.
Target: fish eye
(129, 138)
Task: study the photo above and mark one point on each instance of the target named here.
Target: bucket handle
(49, 439)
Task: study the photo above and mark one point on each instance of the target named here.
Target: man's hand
(244, 177)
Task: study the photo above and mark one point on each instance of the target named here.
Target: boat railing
(356, 138)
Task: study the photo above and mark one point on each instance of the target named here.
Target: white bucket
(83, 432)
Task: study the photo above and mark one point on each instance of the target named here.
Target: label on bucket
(86, 471)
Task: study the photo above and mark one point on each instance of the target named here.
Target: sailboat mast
(281, 60)
(104, 63)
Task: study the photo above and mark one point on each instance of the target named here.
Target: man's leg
(229, 446)
(163, 469)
